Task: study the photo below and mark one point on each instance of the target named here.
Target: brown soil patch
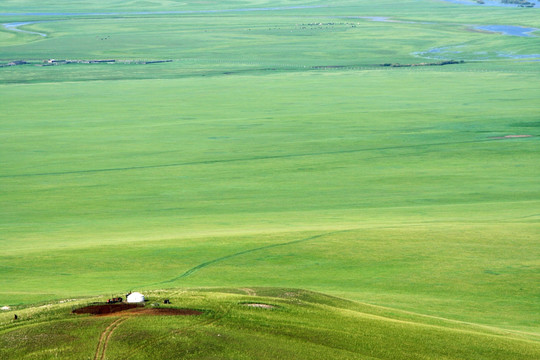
(132, 309)
(105, 309)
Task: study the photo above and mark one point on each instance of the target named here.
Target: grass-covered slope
(300, 325)
(273, 150)
(398, 174)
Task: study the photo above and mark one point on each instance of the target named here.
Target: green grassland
(300, 325)
(275, 151)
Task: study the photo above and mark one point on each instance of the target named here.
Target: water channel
(163, 12)
(489, 3)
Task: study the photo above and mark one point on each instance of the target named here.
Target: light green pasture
(144, 172)
(252, 160)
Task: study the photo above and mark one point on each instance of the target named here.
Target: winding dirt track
(249, 291)
(104, 338)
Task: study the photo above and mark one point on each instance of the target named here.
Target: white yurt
(135, 297)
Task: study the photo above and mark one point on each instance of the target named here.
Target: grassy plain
(272, 152)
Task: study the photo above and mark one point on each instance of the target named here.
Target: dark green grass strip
(223, 258)
(254, 158)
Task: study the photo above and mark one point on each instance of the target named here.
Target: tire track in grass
(105, 337)
(227, 257)
(223, 311)
(254, 158)
(249, 291)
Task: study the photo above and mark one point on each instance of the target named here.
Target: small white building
(135, 297)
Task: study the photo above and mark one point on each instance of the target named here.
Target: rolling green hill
(293, 324)
(270, 145)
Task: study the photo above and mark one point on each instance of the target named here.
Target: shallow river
(435, 53)
(163, 12)
(507, 29)
(488, 3)
(15, 27)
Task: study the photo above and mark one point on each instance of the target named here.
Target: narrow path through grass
(208, 263)
(105, 337)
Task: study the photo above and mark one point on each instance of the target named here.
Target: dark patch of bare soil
(104, 309)
(132, 309)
